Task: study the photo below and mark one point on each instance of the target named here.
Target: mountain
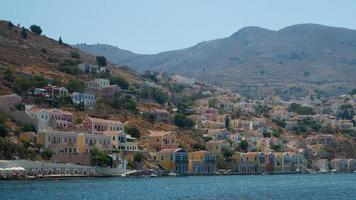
(115, 54)
(299, 54)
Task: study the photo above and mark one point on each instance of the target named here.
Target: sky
(152, 26)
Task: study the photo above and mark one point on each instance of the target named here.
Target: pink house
(93, 125)
(61, 119)
(110, 90)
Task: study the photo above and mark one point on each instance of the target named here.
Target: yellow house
(216, 146)
(202, 162)
(248, 162)
(60, 142)
(174, 160)
(162, 140)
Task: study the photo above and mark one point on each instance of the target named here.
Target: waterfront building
(175, 160)
(270, 162)
(339, 165)
(286, 163)
(248, 163)
(202, 162)
(261, 162)
(322, 165)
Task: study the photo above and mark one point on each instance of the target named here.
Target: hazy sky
(151, 26)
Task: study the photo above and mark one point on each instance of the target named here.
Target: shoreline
(70, 177)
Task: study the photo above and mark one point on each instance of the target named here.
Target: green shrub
(23, 33)
(116, 80)
(10, 24)
(36, 29)
(101, 60)
(301, 110)
(28, 128)
(133, 131)
(75, 54)
(182, 121)
(9, 74)
(69, 67)
(22, 85)
(75, 86)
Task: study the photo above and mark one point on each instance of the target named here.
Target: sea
(310, 186)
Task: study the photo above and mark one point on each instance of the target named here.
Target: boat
(172, 174)
(153, 175)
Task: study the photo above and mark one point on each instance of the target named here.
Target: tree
(46, 154)
(39, 81)
(23, 33)
(346, 111)
(3, 131)
(99, 158)
(129, 104)
(9, 74)
(243, 145)
(138, 158)
(227, 122)
(301, 110)
(267, 134)
(132, 130)
(227, 153)
(10, 24)
(36, 29)
(22, 85)
(182, 121)
(353, 92)
(69, 66)
(116, 80)
(60, 42)
(28, 128)
(75, 54)
(101, 60)
(75, 86)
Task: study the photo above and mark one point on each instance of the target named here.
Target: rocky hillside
(302, 54)
(40, 55)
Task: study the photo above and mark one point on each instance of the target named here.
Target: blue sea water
(321, 186)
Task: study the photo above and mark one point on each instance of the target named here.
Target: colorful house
(218, 134)
(270, 160)
(83, 97)
(248, 163)
(175, 160)
(286, 163)
(261, 162)
(161, 140)
(93, 125)
(202, 162)
(217, 146)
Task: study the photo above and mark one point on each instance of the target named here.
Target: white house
(98, 83)
(87, 98)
